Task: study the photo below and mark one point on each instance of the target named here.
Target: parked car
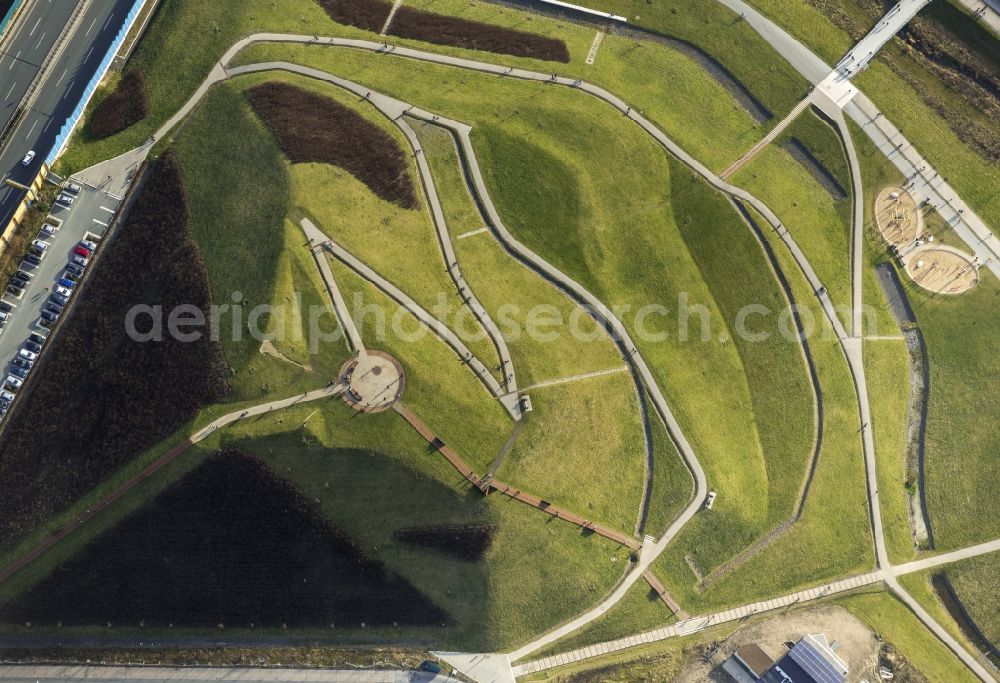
(710, 500)
(14, 291)
(33, 260)
(21, 363)
(81, 261)
(4, 315)
(72, 188)
(28, 158)
(65, 291)
(36, 339)
(40, 245)
(19, 283)
(32, 346)
(87, 244)
(27, 355)
(6, 307)
(54, 308)
(49, 230)
(81, 251)
(59, 300)
(6, 396)
(66, 282)
(74, 270)
(23, 274)
(64, 199)
(14, 383)
(50, 316)
(20, 373)
(36, 252)
(44, 322)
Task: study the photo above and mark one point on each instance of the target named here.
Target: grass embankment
(975, 581)
(820, 224)
(174, 70)
(836, 512)
(508, 289)
(959, 332)
(615, 184)
(911, 94)
(672, 486)
(887, 372)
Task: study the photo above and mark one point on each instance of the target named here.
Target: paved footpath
(30, 673)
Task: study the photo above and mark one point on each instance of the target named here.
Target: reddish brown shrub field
(464, 541)
(313, 128)
(101, 398)
(473, 35)
(231, 543)
(127, 105)
(442, 29)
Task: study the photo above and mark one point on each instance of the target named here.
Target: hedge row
(127, 105)
(231, 543)
(313, 128)
(442, 29)
(101, 398)
(464, 541)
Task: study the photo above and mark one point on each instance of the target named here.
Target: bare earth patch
(897, 217)
(941, 269)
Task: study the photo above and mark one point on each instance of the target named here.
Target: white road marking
(68, 88)
(89, 52)
(14, 61)
(110, 16)
(35, 27)
(101, 223)
(65, 71)
(47, 125)
(91, 27)
(32, 128)
(40, 39)
(10, 91)
(104, 208)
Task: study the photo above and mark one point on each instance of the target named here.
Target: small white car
(710, 500)
(40, 245)
(65, 291)
(49, 230)
(87, 244)
(6, 396)
(28, 158)
(15, 382)
(64, 199)
(27, 355)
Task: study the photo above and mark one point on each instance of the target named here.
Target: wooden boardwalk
(488, 484)
(655, 584)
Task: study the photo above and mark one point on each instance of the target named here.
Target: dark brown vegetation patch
(442, 29)
(127, 105)
(231, 543)
(464, 541)
(313, 128)
(367, 14)
(101, 398)
(473, 35)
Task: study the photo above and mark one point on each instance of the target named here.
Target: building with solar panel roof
(811, 660)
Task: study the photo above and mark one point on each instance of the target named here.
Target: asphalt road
(64, 83)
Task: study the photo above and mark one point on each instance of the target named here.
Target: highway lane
(24, 50)
(59, 93)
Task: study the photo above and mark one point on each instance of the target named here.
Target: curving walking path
(851, 345)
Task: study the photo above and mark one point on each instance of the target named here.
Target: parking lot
(90, 213)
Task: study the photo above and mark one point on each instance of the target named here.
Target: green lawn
(571, 197)
(510, 290)
(673, 485)
(894, 622)
(887, 372)
(175, 67)
(640, 609)
(442, 390)
(582, 448)
(820, 228)
(975, 581)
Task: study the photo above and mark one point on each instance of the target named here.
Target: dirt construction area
(897, 217)
(941, 269)
(856, 644)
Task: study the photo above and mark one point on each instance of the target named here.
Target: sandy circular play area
(941, 269)
(374, 381)
(897, 217)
